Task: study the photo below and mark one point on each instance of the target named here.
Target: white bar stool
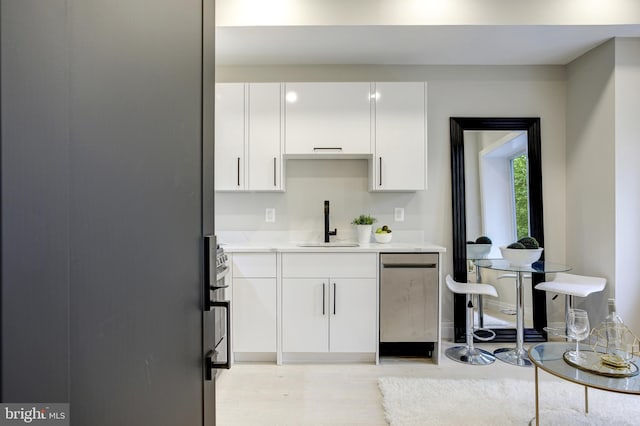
(572, 285)
(468, 354)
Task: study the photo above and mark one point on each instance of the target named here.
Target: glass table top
(505, 265)
(549, 357)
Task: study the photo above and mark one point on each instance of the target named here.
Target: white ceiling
(412, 45)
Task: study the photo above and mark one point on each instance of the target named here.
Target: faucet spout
(327, 232)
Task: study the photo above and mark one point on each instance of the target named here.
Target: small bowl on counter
(382, 237)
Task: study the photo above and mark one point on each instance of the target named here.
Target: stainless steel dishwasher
(408, 303)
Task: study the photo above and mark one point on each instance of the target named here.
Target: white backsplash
(262, 237)
(299, 212)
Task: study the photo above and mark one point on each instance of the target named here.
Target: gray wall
(590, 169)
(627, 178)
(602, 173)
(102, 208)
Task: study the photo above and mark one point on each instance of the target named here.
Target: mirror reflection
(497, 214)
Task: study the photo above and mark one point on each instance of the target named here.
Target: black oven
(217, 308)
(221, 308)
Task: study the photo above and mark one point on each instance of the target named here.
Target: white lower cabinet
(254, 315)
(329, 314)
(305, 322)
(254, 306)
(352, 316)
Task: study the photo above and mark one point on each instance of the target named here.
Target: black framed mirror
(458, 126)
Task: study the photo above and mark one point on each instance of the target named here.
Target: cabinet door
(327, 118)
(352, 320)
(230, 137)
(305, 324)
(254, 315)
(400, 137)
(265, 171)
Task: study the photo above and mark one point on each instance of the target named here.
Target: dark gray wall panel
(35, 200)
(208, 226)
(102, 208)
(136, 212)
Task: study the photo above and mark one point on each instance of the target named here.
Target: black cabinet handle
(328, 148)
(334, 298)
(380, 171)
(238, 171)
(409, 265)
(274, 171)
(323, 300)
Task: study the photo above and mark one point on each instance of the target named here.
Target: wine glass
(578, 330)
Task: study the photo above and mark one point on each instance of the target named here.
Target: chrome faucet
(327, 233)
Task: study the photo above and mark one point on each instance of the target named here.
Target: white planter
(364, 234)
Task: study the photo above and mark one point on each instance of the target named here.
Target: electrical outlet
(270, 215)
(398, 214)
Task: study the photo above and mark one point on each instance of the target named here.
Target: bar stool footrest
(492, 334)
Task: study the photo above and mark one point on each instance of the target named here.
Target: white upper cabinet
(328, 118)
(256, 123)
(265, 159)
(230, 137)
(248, 155)
(399, 162)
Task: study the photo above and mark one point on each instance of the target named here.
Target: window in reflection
(497, 205)
(520, 195)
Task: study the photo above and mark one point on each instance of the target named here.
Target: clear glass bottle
(615, 332)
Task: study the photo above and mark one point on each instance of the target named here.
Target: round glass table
(549, 357)
(518, 355)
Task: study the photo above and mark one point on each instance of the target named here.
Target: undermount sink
(338, 244)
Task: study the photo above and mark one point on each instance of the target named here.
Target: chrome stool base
(513, 356)
(470, 356)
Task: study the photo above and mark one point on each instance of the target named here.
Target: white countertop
(364, 248)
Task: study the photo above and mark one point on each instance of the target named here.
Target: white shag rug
(423, 401)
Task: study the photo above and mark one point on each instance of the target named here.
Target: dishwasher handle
(409, 265)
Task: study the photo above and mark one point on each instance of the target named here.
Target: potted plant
(363, 226)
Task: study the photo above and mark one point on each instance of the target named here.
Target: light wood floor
(332, 394)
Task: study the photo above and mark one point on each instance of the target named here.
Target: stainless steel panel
(408, 297)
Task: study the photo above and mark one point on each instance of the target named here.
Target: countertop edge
(369, 248)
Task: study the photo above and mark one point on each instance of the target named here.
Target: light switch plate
(270, 215)
(398, 214)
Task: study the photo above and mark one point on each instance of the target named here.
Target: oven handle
(209, 363)
(219, 287)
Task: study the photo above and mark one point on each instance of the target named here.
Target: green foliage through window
(521, 195)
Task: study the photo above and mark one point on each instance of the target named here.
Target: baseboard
(446, 330)
(341, 357)
(254, 357)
